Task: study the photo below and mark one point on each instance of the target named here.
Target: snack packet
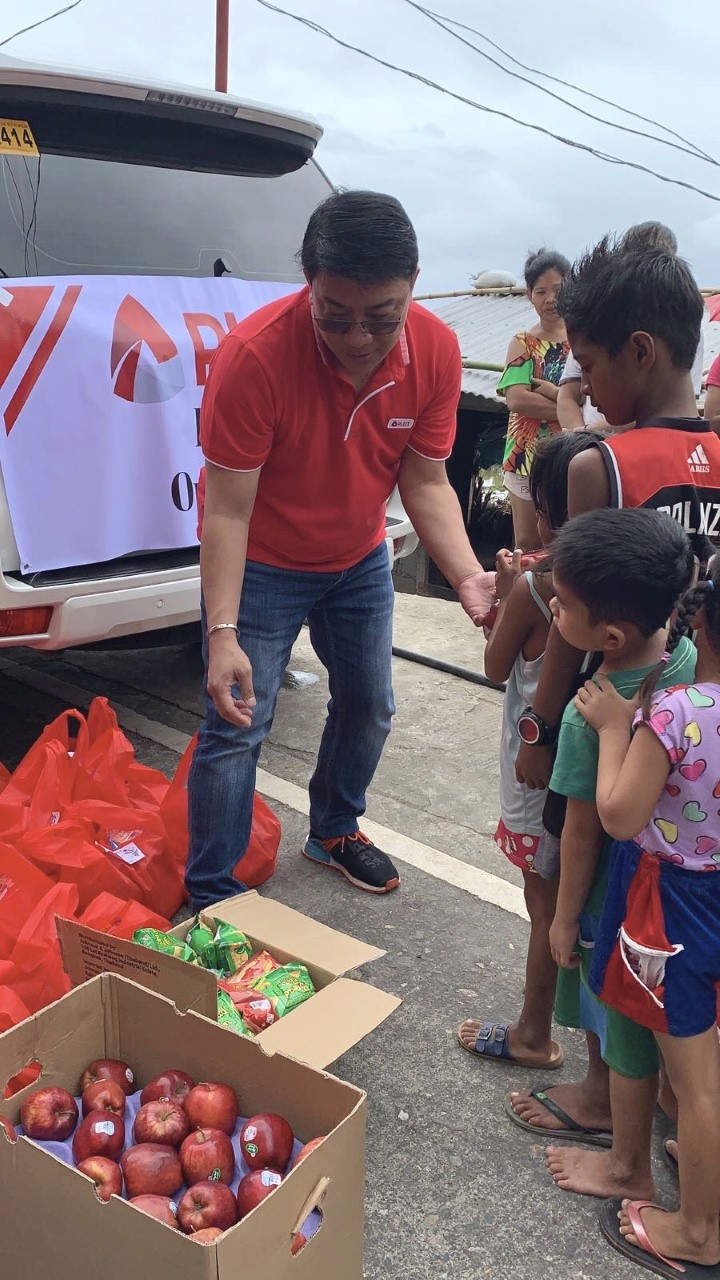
(287, 987)
(232, 948)
(201, 938)
(256, 1009)
(250, 973)
(156, 940)
(230, 1017)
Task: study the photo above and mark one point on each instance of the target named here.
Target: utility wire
(440, 21)
(41, 22)
(568, 84)
(479, 106)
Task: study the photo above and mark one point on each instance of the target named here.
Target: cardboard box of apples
(153, 1140)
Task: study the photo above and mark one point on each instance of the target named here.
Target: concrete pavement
(454, 1190)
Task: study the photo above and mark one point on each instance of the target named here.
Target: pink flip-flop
(645, 1254)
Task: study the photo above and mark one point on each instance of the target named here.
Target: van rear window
(67, 215)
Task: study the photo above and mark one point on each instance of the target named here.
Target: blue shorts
(657, 952)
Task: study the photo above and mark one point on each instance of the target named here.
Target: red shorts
(520, 850)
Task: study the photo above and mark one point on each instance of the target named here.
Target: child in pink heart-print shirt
(657, 953)
(685, 827)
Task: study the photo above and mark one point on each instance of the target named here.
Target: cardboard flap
(329, 1024)
(276, 925)
(86, 952)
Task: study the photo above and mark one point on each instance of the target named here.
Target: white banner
(101, 379)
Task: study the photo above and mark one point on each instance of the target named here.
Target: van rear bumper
(87, 615)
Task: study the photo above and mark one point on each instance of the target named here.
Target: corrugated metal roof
(485, 323)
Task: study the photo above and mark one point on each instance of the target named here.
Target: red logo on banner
(144, 361)
(18, 319)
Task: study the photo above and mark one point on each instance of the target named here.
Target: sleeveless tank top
(670, 465)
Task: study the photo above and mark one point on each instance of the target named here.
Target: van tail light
(24, 622)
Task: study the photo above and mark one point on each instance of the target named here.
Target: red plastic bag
(12, 1011)
(68, 853)
(35, 971)
(107, 768)
(135, 847)
(4, 777)
(119, 918)
(22, 886)
(259, 861)
(39, 790)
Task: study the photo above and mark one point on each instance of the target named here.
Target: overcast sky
(480, 190)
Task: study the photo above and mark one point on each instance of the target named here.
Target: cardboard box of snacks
(317, 1032)
(51, 1221)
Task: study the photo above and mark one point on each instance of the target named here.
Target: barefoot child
(514, 653)
(618, 576)
(657, 957)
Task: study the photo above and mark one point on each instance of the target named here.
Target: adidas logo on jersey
(698, 460)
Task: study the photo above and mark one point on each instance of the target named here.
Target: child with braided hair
(657, 953)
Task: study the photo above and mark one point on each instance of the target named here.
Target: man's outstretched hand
(477, 594)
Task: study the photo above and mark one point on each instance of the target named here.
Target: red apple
(159, 1207)
(101, 1133)
(161, 1121)
(266, 1142)
(208, 1235)
(9, 1129)
(109, 1069)
(254, 1188)
(212, 1106)
(104, 1095)
(173, 1084)
(50, 1114)
(207, 1155)
(105, 1174)
(151, 1169)
(305, 1151)
(298, 1242)
(207, 1204)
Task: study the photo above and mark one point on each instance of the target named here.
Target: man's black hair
(649, 235)
(541, 260)
(612, 292)
(362, 235)
(626, 566)
(549, 474)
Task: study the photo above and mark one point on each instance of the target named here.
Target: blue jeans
(350, 618)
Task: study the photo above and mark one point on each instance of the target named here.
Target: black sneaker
(357, 858)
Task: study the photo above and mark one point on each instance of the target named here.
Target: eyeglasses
(374, 327)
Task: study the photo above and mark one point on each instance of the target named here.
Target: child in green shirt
(618, 576)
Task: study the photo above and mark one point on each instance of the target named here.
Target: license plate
(16, 138)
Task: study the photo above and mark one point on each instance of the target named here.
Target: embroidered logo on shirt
(698, 460)
(400, 424)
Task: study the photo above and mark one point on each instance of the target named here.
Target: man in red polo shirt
(315, 408)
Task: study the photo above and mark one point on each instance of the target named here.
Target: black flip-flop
(570, 1129)
(670, 1269)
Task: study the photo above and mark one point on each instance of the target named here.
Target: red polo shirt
(276, 399)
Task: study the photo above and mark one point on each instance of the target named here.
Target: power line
(568, 84)
(41, 22)
(479, 106)
(440, 21)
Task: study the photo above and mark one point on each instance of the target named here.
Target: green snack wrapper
(156, 940)
(232, 948)
(286, 987)
(228, 1016)
(201, 939)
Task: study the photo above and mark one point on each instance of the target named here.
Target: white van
(103, 182)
